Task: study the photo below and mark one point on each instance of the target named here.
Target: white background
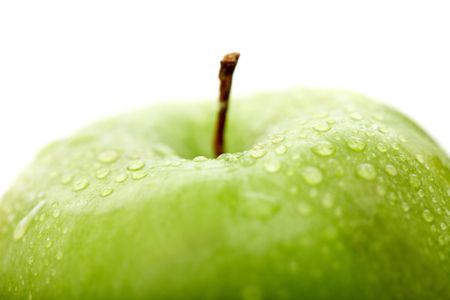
(64, 64)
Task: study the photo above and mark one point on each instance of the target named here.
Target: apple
(321, 194)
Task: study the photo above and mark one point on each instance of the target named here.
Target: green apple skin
(325, 194)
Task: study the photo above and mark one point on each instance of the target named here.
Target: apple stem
(227, 66)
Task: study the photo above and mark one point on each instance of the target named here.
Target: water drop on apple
(106, 192)
(366, 171)
(121, 177)
(322, 127)
(277, 139)
(323, 149)
(66, 179)
(381, 147)
(257, 153)
(200, 159)
(272, 165)
(139, 175)
(427, 216)
(414, 180)
(23, 224)
(280, 150)
(136, 165)
(102, 173)
(312, 175)
(108, 156)
(356, 144)
(391, 170)
(80, 185)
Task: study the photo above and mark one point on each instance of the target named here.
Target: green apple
(323, 194)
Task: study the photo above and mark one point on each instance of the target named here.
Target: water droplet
(23, 224)
(405, 206)
(427, 216)
(442, 240)
(280, 150)
(328, 201)
(322, 127)
(391, 170)
(200, 159)
(323, 149)
(66, 179)
(366, 171)
(102, 173)
(80, 185)
(59, 255)
(272, 165)
(56, 213)
(381, 147)
(303, 208)
(106, 192)
(135, 165)
(414, 180)
(312, 175)
(383, 129)
(277, 139)
(246, 160)
(139, 175)
(108, 156)
(356, 144)
(443, 226)
(228, 157)
(30, 260)
(121, 177)
(420, 158)
(257, 153)
(421, 194)
(356, 116)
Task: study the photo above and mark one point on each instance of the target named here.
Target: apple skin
(325, 194)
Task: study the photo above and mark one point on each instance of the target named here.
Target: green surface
(326, 194)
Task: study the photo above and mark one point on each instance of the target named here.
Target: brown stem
(227, 66)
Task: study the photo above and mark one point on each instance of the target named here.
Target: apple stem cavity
(227, 66)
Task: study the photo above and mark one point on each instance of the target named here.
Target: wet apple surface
(321, 194)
